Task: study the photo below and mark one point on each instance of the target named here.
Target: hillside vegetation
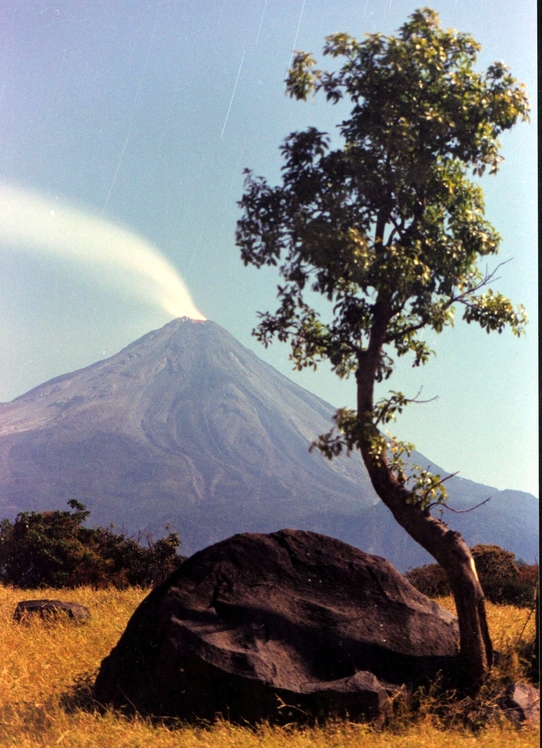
(47, 670)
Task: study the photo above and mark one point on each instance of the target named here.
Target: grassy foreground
(41, 663)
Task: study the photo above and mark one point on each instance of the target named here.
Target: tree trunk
(535, 663)
(445, 545)
(452, 553)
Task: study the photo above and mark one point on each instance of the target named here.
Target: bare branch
(407, 401)
(423, 402)
(462, 511)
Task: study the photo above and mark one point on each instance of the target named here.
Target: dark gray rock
(292, 618)
(51, 609)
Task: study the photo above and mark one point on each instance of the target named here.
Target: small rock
(50, 609)
(522, 702)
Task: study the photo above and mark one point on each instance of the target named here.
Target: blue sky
(144, 114)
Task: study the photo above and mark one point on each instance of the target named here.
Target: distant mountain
(187, 427)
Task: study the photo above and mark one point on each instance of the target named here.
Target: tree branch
(439, 483)
(488, 277)
(406, 401)
(461, 511)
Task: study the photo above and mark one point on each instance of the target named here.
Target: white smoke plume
(37, 224)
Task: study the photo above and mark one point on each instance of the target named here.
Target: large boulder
(282, 625)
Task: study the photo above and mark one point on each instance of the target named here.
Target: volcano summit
(187, 427)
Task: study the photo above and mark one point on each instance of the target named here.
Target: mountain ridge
(187, 427)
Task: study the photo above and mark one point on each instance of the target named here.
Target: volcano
(186, 428)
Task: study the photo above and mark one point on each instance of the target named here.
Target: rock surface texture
(50, 609)
(290, 625)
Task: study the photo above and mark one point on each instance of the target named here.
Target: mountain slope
(186, 426)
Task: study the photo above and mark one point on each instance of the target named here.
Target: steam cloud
(36, 224)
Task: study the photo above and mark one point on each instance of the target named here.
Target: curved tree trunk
(445, 545)
(452, 553)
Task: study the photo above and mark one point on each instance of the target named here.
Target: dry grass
(41, 662)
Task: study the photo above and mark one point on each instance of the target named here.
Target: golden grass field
(41, 664)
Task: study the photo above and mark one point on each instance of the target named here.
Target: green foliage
(494, 561)
(502, 580)
(388, 227)
(53, 549)
(430, 580)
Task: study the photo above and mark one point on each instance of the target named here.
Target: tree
(388, 229)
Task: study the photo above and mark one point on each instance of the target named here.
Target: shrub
(430, 579)
(501, 577)
(53, 549)
(529, 573)
(494, 562)
(503, 580)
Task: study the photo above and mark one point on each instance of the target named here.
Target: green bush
(509, 592)
(503, 580)
(53, 549)
(494, 562)
(429, 579)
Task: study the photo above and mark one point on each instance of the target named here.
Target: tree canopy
(388, 227)
(385, 222)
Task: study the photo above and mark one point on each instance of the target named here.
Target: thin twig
(531, 611)
(440, 482)
(407, 402)
(415, 399)
(464, 511)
